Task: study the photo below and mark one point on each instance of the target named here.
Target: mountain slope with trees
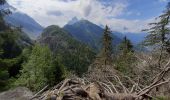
(64, 64)
(12, 42)
(75, 55)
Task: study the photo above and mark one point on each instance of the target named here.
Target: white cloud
(163, 0)
(93, 10)
(134, 26)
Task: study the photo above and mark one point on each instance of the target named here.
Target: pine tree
(126, 46)
(107, 46)
(125, 59)
(160, 32)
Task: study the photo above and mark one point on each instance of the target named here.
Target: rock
(19, 93)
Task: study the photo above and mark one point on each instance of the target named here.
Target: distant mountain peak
(85, 21)
(73, 20)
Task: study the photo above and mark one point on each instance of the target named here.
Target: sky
(120, 15)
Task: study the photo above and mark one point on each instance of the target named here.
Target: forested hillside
(76, 56)
(12, 42)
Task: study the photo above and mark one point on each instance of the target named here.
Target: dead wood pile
(76, 89)
(107, 89)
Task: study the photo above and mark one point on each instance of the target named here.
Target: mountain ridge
(20, 19)
(88, 33)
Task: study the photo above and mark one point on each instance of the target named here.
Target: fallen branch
(40, 91)
(149, 88)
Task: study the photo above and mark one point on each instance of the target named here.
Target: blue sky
(144, 9)
(120, 15)
(139, 9)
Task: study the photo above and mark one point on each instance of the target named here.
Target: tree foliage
(40, 69)
(126, 57)
(126, 46)
(106, 51)
(75, 55)
(9, 51)
(58, 70)
(159, 31)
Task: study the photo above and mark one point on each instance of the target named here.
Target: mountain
(73, 20)
(24, 40)
(88, 33)
(75, 55)
(136, 38)
(19, 19)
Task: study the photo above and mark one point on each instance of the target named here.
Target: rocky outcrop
(20, 93)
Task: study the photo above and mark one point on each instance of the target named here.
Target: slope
(19, 19)
(88, 33)
(75, 55)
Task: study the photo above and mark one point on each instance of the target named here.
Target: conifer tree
(126, 46)
(107, 46)
(126, 58)
(160, 32)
